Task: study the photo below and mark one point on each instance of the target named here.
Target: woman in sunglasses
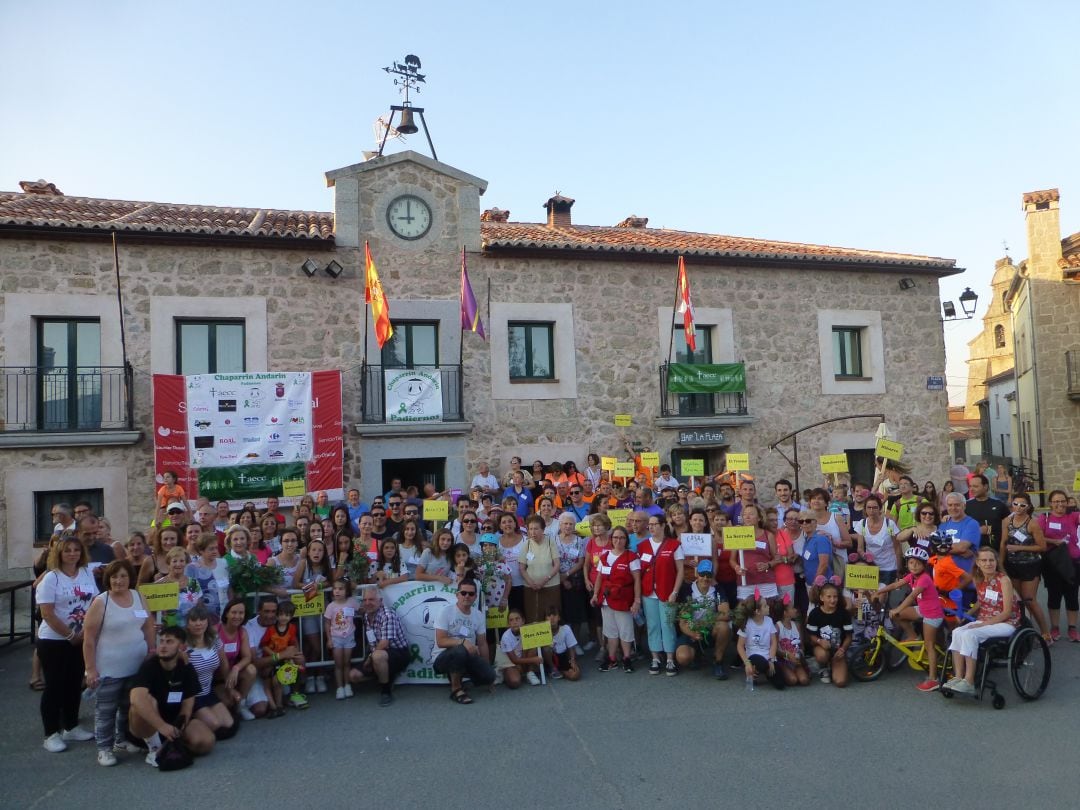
(1022, 547)
(925, 531)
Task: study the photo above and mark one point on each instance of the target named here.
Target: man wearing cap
(698, 601)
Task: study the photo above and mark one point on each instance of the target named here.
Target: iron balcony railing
(412, 394)
(1072, 368)
(71, 399)
(718, 404)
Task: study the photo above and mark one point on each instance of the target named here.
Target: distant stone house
(579, 322)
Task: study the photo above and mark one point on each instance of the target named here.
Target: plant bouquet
(699, 615)
(359, 564)
(248, 576)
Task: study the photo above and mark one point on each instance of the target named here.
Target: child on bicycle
(922, 603)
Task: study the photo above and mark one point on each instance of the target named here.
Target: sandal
(461, 696)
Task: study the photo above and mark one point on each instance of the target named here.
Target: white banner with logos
(236, 419)
(413, 394)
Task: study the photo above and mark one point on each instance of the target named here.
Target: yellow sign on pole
(165, 596)
(608, 463)
(497, 618)
(889, 450)
(536, 635)
(618, 516)
(861, 578)
(738, 461)
(436, 510)
(624, 469)
(692, 466)
(835, 463)
(293, 489)
(739, 538)
(582, 528)
(1076, 483)
(623, 420)
(308, 607)
(650, 459)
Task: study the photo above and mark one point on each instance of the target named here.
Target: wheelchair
(1024, 656)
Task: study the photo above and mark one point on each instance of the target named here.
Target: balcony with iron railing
(1072, 371)
(66, 406)
(706, 394)
(423, 399)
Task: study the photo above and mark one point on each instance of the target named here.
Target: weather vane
(408, 77)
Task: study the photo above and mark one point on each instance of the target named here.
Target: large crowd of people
(600, 560)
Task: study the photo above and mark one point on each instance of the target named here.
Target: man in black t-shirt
(163, 699)
(989, 512)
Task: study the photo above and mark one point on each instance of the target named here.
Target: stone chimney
(43, 187)
(495, 215)
(558, 211)
(634, 221)
(1043, 222)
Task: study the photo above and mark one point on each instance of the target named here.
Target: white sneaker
(151, 759)
(126, 747)
(348, 690)
(320, 683)
(340, 694)
(532, 678)
(245, 713)
(579, 650)
(54, 743)
(106, 758)
(309, 684)
(589, 645)
(78, 734)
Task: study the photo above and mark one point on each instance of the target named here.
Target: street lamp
(968, 300)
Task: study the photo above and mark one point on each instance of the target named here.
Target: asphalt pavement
(612, 740)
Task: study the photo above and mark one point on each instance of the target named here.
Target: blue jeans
(111, 712)
(660, 620)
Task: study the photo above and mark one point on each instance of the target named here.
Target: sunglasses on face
(1020, 505)
(467, 593)
(927, 514)
(468, 521)
(804, 522)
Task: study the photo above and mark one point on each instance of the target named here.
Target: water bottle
(749, 683)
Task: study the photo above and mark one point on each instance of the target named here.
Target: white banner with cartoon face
(417, 604)
(413, 395)
(236, 419)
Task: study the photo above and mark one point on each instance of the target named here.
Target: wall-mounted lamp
(968, 302)
(907, 284)
(333, 269)
(310, 267)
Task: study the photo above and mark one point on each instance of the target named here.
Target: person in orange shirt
(643, 474)
(170, 491)
(948, 576)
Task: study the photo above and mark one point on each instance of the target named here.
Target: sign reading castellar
(861, 577)
(696, 545)
(889, 450)
(165, 596)
(536, 635)
(608, 463)
(497, 618)
(737, 462)
(739, 538)
(834, 463)
(650, 459)
(436, 510)
(582, 528)
(618, 516)
(692, 466)
(308, 607)
(624, 469)
(623, 420)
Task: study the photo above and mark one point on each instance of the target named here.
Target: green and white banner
(413, 395)
(706, 378)
(251, 481)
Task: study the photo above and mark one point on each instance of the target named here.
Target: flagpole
(674, 307)
(367, 309)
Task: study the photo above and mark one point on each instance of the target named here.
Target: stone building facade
(602, 296)
(1044, 300)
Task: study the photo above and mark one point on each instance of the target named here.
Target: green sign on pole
(706, 378)
(248, 481)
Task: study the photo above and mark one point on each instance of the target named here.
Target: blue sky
(911, 127)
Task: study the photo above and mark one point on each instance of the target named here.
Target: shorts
(502, 660)
(768, 590)
(343, 642)
(311, 625)
(1023, 571)
(207, 701)
(618, 624)
(932, 622)
(256, 694)
(561, 661)
(397, 658)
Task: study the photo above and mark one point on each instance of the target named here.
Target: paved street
(611, 740)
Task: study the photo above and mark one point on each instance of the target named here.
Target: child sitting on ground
(511, 660)
(563, 658)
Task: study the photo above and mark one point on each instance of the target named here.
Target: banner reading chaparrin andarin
(240, 437)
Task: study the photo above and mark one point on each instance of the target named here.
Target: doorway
(415, 472)
(861, 466)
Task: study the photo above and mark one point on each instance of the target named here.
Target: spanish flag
(686, 307)
(373, 294)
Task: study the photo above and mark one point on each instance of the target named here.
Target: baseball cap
(175, 506)
(704, 567)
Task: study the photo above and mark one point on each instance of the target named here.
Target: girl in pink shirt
(922, 603)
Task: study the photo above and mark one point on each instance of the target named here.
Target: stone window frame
(212, 324)
(564, 386)
(872, 348)
(166, 310)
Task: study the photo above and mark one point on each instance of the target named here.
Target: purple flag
(470, 315)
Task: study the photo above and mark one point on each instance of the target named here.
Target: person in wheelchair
(998, 617)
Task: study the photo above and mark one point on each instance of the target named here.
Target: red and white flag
(686, 307)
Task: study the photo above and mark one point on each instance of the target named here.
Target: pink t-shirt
(929, 603)
(785, 574)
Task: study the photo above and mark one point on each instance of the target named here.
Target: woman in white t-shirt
(119, 634)
(878, 536)
(758, 643)
(64, 594)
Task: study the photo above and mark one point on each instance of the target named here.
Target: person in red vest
(661, 558)
(618, 593)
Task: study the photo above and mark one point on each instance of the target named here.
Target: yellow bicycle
(867, 659)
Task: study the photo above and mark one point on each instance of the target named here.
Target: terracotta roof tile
(1046, 195)
(662, 241)
(93, 214)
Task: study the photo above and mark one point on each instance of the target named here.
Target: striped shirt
(205, 661)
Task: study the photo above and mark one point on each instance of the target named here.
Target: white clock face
(409, 217)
